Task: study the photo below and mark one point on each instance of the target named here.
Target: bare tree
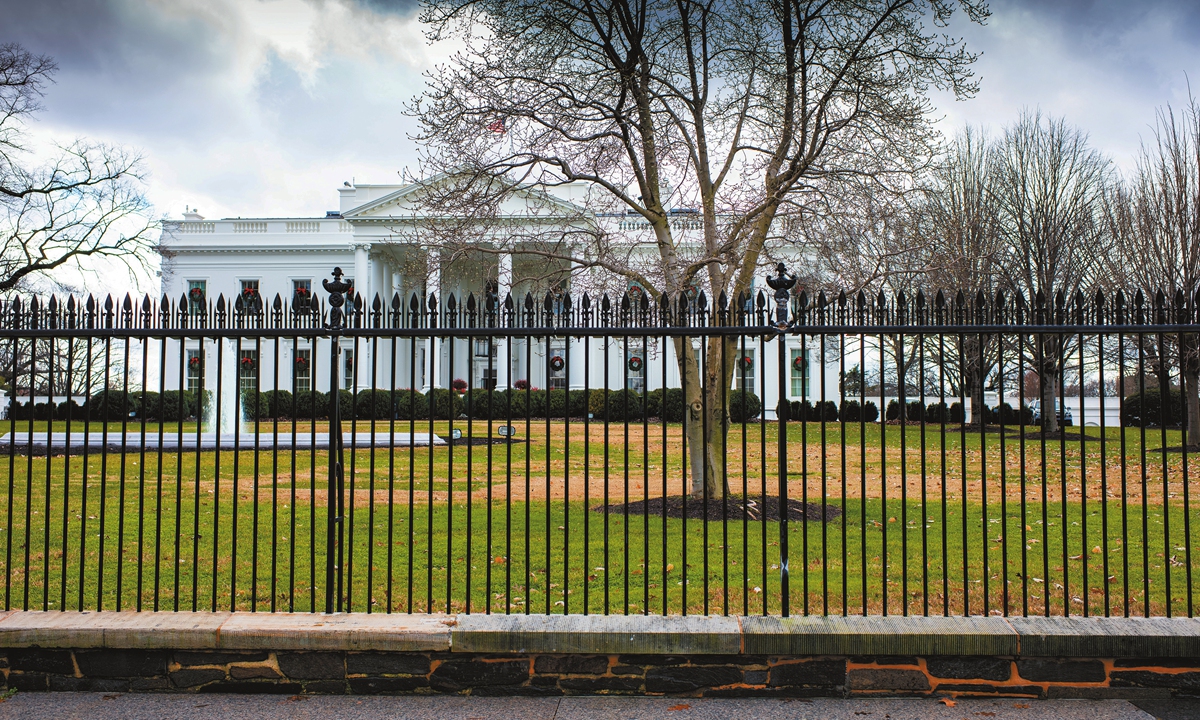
(745, 111)
(86, 201)
(1156, 225)
(963, 226)
(1049, 187)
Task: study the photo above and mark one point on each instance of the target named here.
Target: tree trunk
(705, 417)
(1189, 352)
(1047, 369)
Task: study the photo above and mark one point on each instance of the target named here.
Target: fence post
(333, 542)
(782, 284)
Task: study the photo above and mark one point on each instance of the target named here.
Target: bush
(279, 403)
(743, 406)
(1147, 410)
(577, 402)
(312, 405)
(147, 403)
(111, 405)
(445, 404)
(916, 411)
(255, 405)
(169, 406)
(483, 404)
(1007, 415)
(615, 405)
(936, 413)
(346, 403)
(852, 411)
(411, 405)
(68, 409)
(666, 404)
(44, 411)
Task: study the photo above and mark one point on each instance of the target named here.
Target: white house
(204, 259)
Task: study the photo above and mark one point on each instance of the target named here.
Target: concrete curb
(609, 635)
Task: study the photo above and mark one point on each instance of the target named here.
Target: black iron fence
(837, 455)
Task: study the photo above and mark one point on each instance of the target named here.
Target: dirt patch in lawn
(732, 508)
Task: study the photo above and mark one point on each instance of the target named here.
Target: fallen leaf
(1021, 706)
(947, 702)
(683, 706)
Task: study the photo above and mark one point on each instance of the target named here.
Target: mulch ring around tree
(732, 508)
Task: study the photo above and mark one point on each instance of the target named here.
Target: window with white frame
(302, 370)
(635, 367)
(248, 370)
(745, 369)
(197, 291)
(798, 368)
(195, 369)
(557, 366)
(348, 369)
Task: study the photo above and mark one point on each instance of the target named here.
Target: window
(558, 366)
(251, 285)
(301, 292)
(248, 370)
(635, 368)
(302, 372)
(799, 373)
(197, 291)
(297, 285)
(744, 369)
(348, 369)
(484, 348)
(195, 370)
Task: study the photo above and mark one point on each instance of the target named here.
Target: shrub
(936, 413)
(345, 404)
(1006, 414)
(916, 411)
(445, 404)
(957, 413)
(483, 404)
(411, 405)
(1147, 409)
(577, 403)
(666, 404)
(557, 404)
(44, 411)
(255, 405)
(111, 405)
(743, 406)
(893, 411)
(147, 403)
(279, 403)
(615, 405)
(852, 411)
(312, 405)
(68, 409)
(169, 406)
(825, 411)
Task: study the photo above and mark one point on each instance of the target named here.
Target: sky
(265, 107)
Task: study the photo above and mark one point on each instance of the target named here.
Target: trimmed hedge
(112, 405)
(615, 405)
(311, 405)
(665, 404)
(1147, 410)
(743, 406)
(851, 411)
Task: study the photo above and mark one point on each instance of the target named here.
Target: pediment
(405, 203)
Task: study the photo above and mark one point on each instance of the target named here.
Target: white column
(229, 383)
(433, 362)
(503, 289)
(362, 287)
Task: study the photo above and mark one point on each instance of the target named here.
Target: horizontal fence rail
(944, 454)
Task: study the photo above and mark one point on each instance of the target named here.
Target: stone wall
(374, 673)
(566, 655)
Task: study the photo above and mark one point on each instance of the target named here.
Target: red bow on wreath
(557, 363)
(799, 363)
(302, 292)
(747, 363)
(635, 363)
(194, 362)
(247, 363)
(196, 294)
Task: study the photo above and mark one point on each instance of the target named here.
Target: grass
(189, 531)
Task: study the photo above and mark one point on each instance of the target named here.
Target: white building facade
(204, 259)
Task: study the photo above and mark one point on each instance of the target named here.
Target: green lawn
(158, 538)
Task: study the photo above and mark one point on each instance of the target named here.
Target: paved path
(109, 706)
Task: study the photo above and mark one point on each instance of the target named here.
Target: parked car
(1065, 418)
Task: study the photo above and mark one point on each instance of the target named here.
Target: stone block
(146, 631)
(190, 659)
(253, 687)
(969, 668)
(325, 687)
(688, 679)
(195, 678)
(311, 631)
(875, 636)
(884, 660)
(571, 664)
(58, 683)
(149, 684)
(1100, 637)
(657, 660)
(387, 664)
(385, 685)
(597, 634)
(632, 670)
(38, 660)
(312, 665)
(986, 689)
(1056, 692)
(517, 691)
(250, 672)
(473, 673)
(1049, 670)
(754, 677)
(29, 682)
(1151, 679)
(887, 679)
(600, 684)
(121, 663)
(809, 673)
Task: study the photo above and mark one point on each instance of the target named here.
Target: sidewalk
(99, 706)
